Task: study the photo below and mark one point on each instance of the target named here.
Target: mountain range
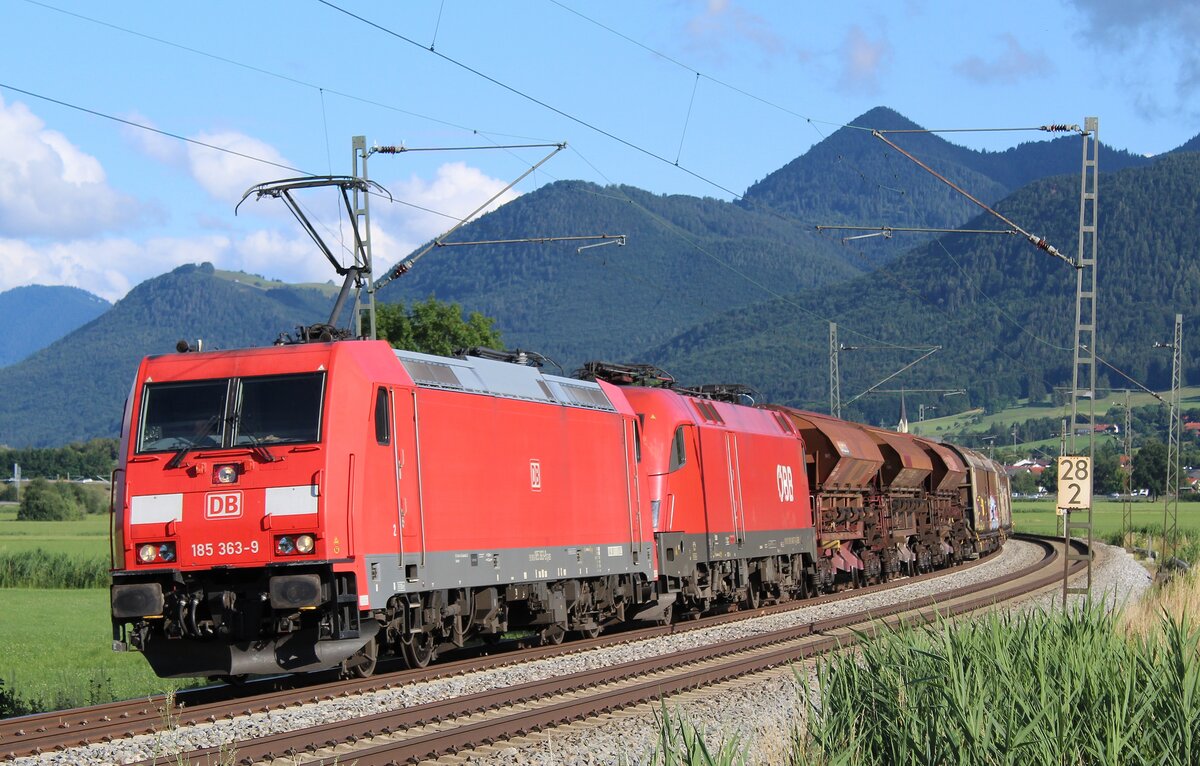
(35, 316)
(741, 291)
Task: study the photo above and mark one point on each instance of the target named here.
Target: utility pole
(1171, 491)
(835, 377)
(364, 307)
(1127, 477)
(1085, 345)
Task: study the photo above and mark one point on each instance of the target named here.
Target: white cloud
(1148, 32)
(720, 31)
(398, 229)
(105, 267)
(275, 255)
(48, 186)
(863, 60)
(1013, 65)
(227, 176)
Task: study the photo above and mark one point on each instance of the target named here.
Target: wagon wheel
(590, 632)
(362, 664)
(419, 649)
(753, 597)
(553, 635)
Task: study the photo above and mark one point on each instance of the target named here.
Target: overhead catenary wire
(270, 73)
(809, 120)
(533, 99)
(1038, 242)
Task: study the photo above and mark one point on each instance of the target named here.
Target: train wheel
(419, 650)
(753, 596)
(590, 632)
(362, 665)
(553, 635)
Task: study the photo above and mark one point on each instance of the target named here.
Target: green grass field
(58, 651)
(87, 538)
(58, 642)
(1038, 517)
(1189, 396)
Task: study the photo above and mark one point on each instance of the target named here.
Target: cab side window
(383, 434)
(678, 450)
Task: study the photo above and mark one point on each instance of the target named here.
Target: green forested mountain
(735, 292)
(74, 389)
(690, 259)
(35, 316)
(687, 260)
(854, 178)
(1002, 310)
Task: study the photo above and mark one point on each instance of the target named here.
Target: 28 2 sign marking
(1074, 482)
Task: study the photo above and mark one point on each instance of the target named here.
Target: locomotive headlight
(290, 545)
(225, 474)
(151, 552)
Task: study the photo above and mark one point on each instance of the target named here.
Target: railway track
(48, 732)
(403, 736)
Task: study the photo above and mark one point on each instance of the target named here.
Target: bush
(9, 704)
(42, 501)
(8, 493)
(92, 498)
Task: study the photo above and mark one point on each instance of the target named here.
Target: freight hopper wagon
(884, 503)
(729, 498)
(842, 465)
(987, 496)
(309, 506)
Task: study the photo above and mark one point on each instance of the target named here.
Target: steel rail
(58, 730)
(562, 699)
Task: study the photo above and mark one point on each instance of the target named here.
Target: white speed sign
(1074, 482)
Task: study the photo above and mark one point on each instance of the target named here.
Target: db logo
(783, 482)
(535, 475)
(223, 505)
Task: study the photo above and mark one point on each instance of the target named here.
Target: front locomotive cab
(224, 548)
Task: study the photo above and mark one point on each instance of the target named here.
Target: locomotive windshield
(279, 409)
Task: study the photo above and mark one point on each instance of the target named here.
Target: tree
(433, 327)
(1150, 467)
(1106, 471)
(1024, 483)
(42, 501)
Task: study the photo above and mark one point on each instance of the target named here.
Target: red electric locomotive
(306, 506)
(730, 500)
(299, 507)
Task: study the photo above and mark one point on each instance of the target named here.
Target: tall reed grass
(1041, 688)
(41, 569)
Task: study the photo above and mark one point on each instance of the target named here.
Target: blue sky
(678, 97)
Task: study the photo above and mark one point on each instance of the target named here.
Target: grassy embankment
(57, 638)
(1047, 687)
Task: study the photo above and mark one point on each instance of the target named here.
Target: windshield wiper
(260, 451)
(256, 446)
(204, 432)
